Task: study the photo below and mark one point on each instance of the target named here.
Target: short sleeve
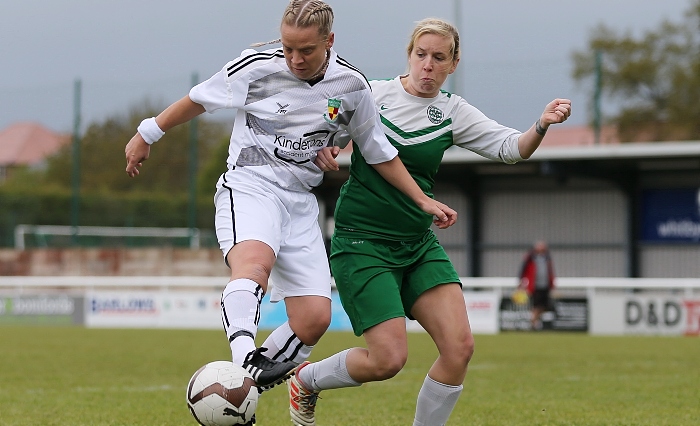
(366, 131)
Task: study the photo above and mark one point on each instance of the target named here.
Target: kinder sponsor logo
(301, 150)
(38, 306)
(299, 144)
(123, 305)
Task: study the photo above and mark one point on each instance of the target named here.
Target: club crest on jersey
(333, 108)
(435, 114)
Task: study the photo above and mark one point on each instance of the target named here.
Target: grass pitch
(78, 376)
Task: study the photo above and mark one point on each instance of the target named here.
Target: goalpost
(43, 234)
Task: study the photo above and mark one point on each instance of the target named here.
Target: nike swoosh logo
(382, 107)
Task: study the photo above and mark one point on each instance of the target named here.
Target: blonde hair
(304, 14)
(439, 27)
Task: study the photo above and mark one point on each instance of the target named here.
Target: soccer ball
(222, 393)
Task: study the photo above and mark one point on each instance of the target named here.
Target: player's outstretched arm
(394, 172)
(138, 150)
(555, 112)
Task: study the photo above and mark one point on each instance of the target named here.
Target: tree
(654, 80)
(103, 162)
(158, 197)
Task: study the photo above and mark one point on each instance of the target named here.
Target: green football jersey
(421, 129)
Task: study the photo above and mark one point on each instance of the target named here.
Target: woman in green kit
(387, 262)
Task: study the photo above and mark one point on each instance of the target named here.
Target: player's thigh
(443, 313)
(430, 267)
(388, 345)
(302, 266)
(247, 209)
(367, 282)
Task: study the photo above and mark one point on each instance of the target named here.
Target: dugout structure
(626, 210)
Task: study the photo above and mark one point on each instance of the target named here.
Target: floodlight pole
(192, 210)
(75, 199)
(596, 95)
(455, 79)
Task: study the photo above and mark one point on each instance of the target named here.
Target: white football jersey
(281, 121)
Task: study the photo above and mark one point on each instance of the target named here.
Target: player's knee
(468, 348)
(389, 366)
(312, 334)
(459, 351)
(257, 272)
(464, 350)
(310, 328)
(252, 264)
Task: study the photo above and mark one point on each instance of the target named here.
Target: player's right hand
(136, 151)
(325, 158)
(444, 216)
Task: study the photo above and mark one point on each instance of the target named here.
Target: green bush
(54, 207)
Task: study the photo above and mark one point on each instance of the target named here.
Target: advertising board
(41, 309)
(652, 314)
(565, 314)
(671, 215)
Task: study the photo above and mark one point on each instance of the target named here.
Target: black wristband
(539, 129)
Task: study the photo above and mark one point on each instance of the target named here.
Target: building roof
(563, 135)
(27, 144)
(631, 150)
(578, 143)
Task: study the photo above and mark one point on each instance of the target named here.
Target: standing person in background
(291, 102)
(387, 262)
(537, 278)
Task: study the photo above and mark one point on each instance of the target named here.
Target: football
(222, 393)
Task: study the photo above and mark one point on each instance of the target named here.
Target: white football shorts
(251, 208)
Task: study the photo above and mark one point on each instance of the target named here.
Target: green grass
(78, 376)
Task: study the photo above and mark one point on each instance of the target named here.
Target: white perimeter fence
(601, 306)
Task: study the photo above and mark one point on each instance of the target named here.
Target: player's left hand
(325, 158)
(555, 112)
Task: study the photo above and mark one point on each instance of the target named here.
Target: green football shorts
(378, 280)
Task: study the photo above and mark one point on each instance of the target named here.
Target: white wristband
(149, 130)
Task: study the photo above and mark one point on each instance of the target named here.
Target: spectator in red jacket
(537, 278)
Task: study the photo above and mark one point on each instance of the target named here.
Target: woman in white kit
(291, 102)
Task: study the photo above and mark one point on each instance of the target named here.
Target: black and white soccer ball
(222, 393)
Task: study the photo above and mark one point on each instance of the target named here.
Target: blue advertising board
(671, 215)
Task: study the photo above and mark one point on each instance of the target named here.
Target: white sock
(330, 373)
(240, 314)
(435, 403)
(283, 345)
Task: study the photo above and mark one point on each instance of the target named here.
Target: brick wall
(113, 262)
